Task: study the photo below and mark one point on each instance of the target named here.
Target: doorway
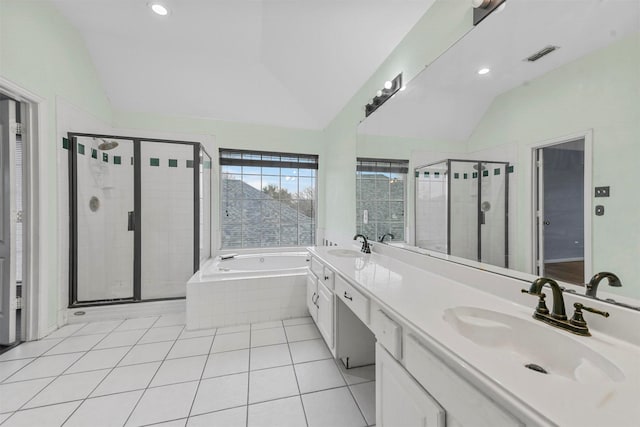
(11, 229)
(562, 211)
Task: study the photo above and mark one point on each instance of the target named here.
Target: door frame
(33, 111)
(587, 135)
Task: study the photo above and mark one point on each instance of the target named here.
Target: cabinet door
(325, 313)
(312, 294)
(400, 400)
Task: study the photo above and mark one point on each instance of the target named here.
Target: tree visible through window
(267, 199)
(380, 197)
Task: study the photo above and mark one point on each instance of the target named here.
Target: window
(267, 199)
(380, 197)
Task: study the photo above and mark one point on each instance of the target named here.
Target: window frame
(267, 159)
(397, 166)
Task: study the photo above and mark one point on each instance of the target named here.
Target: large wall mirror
(524, 143)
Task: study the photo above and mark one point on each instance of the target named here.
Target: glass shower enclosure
(461, 209)
(140, 211)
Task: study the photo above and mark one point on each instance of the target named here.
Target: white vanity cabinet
(320, 301)
(400, 400)
(415, 387)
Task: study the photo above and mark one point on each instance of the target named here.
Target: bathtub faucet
(365, 244)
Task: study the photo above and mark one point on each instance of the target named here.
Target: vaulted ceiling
(291, 63)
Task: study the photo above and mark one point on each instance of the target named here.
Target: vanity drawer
(465, 403)
(327, 278)
(388, 333)
(358, 303)
(317, 267)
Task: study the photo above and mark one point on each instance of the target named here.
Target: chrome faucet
(558, 317)
(592, 286)
(365, 243)
(381, 239)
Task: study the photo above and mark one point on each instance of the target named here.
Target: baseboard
(125, 311)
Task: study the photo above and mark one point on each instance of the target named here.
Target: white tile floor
(151, 371)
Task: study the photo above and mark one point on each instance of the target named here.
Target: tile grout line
(206, 362)
(293, 366)
(54, 377)
(246, 420)
(351, 392)
(155, 373)
(66, 369)
(110, 370)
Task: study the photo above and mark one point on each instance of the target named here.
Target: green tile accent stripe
(485, 173)
(475, 175)
(173, 163)
(154, 161)
(65, 143)
(417, 174)
(80, 148)
(207, 164)
(94, 153)
(510, 169)
(466, 175)
(496, 171)
(105, 157)
(456, 175)
(117, 160)
(190, 163)
(426, 173)
(436, 174)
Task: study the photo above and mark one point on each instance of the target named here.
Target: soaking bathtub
(247, 289)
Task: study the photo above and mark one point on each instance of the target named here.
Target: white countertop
(420, 297)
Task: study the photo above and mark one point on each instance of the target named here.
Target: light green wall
(443, 24)
(42, 53)
(232, 135)
(599, 91)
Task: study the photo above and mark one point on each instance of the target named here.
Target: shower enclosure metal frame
(449, 177)
(137, 245)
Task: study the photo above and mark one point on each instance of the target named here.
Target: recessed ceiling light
(483, 71)
(388, 84)
(159, 9)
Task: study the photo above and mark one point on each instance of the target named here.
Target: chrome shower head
(107, 145)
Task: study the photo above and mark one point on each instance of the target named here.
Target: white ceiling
(292, 63)
(448, 99)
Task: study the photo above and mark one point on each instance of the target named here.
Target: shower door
(135, 217)
(103, 257)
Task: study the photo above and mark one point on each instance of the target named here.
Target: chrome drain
(536, 368)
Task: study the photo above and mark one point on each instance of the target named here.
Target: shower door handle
(131, 223)
(482, 218)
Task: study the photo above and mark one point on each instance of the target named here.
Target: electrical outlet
(602, 191)
(599, 210)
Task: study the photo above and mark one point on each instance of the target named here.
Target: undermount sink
(533, 345)
(345, 253)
